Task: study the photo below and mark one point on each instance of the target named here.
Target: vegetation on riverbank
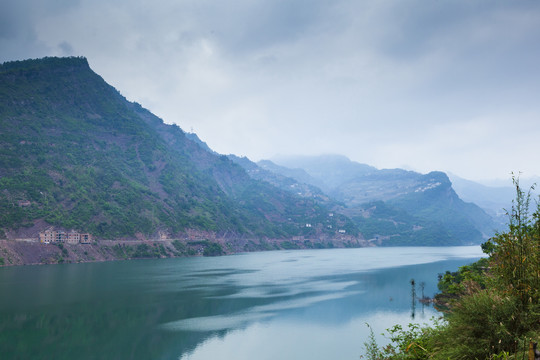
(492, 307)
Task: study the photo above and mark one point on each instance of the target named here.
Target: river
(306, 304)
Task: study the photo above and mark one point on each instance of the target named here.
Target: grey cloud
(18, 35)
(242, 26)
(376, 80)
(11, 17)
(66, 48)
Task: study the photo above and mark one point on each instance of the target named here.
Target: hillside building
(73, 237)
(86, 238)
(47, 236)
(60, 236)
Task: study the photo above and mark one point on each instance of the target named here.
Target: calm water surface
(272, 305)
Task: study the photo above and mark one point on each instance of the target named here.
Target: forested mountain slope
(76, 154)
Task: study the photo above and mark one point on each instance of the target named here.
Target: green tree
(515, 255)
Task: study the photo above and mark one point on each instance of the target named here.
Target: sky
(424, 85)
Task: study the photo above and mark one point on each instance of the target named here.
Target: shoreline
(31, 252)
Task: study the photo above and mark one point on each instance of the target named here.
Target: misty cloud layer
(445, 85)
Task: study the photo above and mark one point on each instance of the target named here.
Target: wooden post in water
(413, 296)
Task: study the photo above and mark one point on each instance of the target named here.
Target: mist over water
(288, 305)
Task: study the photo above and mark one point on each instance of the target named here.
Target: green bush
(456, 283)
(493, 305)
(213, 249)
(480, 325)
(415, 342)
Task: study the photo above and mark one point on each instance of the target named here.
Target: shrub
(213, 249)
(481, 324)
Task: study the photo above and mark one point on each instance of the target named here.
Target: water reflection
(286, 340)
(224, 322)
(286, 305)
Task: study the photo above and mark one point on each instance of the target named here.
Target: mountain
(437, 202)
(383, 185)
(299, 175)
(329, 223)
(387, 225)
(265, 171)
(402, 207)
(193, 137)
(415, 208)
(75, 154)
(493, 199)
(325, 171)
(496, 200)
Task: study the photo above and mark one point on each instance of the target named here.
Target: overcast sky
(425, 85)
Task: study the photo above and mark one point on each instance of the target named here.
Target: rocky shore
(31, 252)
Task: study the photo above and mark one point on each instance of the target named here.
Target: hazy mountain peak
(329, 170)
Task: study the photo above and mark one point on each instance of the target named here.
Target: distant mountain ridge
(289, 184)
(415, 206)
(494, 200)
(326, 171)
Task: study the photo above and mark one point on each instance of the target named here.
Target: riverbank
(29, 252)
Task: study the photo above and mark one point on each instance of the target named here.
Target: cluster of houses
(60, 236)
